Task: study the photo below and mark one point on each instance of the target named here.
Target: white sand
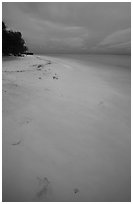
(66, 139)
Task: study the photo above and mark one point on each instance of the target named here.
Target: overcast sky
(90, 27)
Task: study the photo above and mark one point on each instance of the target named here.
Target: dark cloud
(72, 27)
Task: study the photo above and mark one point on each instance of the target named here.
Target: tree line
(12, 42)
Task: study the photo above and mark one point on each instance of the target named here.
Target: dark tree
(12, 42)
(3, 26)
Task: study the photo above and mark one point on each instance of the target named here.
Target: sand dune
(66, 129)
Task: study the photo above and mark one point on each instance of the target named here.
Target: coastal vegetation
(12, 42)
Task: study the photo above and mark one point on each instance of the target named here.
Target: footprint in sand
(101, 103)
(55, 76)
(49, 62)
(76, 190)
(47, 89)
(34, 65)
(25, 121)
(44, 186)
(17, 143)
(40, 66)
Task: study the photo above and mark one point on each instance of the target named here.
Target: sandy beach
(66, 128)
